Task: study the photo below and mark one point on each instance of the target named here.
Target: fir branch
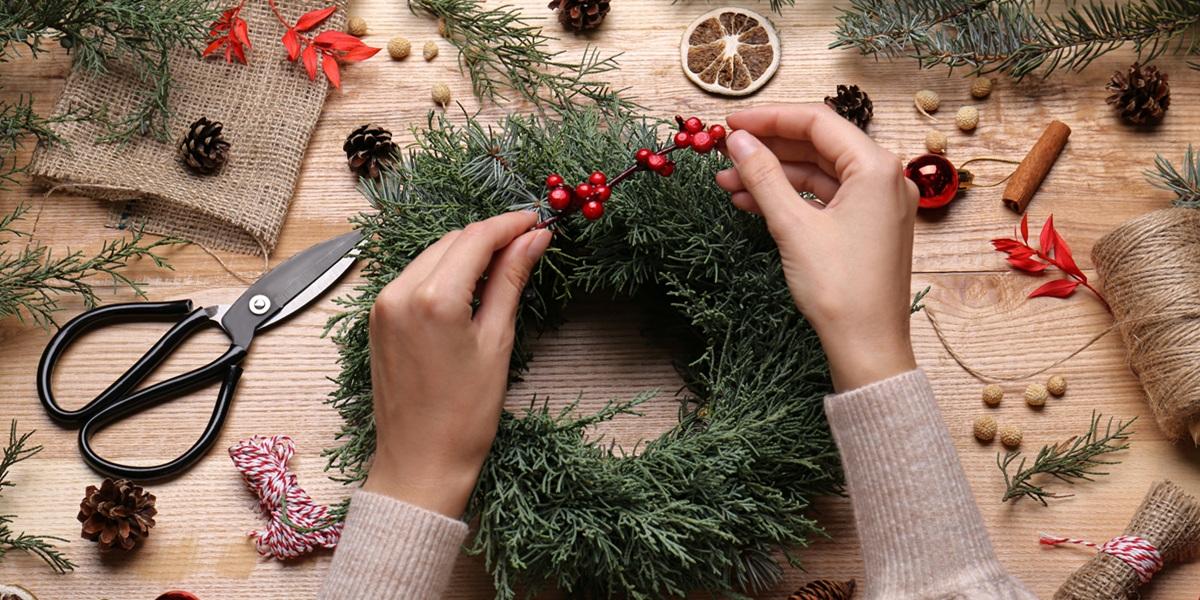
(776, 5)
(1183, 182)
(1013, 36)
(41, 546)
(505, 55)
(33, 278)
(1072, 460)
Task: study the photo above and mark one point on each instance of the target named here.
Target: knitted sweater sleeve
(391, 550)
(922, 535)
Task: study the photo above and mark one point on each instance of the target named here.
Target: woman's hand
(848, 264)
(438, 371)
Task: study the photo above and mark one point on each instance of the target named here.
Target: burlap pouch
(269, 108)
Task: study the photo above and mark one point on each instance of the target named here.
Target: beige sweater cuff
(390, 549)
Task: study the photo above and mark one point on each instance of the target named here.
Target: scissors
(276, 296)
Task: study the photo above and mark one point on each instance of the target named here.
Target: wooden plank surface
(200, 541)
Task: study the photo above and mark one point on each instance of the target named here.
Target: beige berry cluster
(986, 428)
(966, 119)
(399, 48)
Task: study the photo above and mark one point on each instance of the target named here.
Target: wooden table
(200, 542)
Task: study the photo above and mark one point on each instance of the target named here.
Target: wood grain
(200, 542)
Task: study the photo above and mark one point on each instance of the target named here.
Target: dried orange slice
(730, 51)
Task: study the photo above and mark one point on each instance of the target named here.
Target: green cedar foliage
(41, 546)
(1184, 181)
(707, 504)
(1017, 37)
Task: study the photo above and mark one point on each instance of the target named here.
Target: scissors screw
(260, 304)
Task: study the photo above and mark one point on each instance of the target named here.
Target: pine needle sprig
(776, 5)
(41, 546)
(1183, 181)
(1075, 459)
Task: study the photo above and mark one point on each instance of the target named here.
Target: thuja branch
(19, 123)
(1015, 37)
(41, 546)
(1072, 460)
(1184, 181)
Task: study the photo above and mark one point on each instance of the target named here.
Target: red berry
(717, 132)
(602, 192)
(667, 169)
(683, 139)
(583, 190)
(693, 125)
(656, 162)
(554, 180)
(560, 198)
(597, 178)
(703, 142)
(643, 154)
(592, 210)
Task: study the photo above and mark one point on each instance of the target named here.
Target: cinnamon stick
(1028, 177)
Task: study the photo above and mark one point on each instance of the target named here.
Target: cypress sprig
(777, 6)
(41, 546)
(1016, 37)
(1072, 460)
(19, 123)
(1183, 181)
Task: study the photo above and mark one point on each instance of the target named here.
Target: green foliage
(504, 54)
(1184, 181)
(33, 278)
(705, 505)
(41, 546)
(1015, 37)
(777, 5)
(18, 122)
(1070, 461)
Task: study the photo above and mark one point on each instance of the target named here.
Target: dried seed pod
(927, 101)
(356, 26)
(985, 428)
(399, 48)
(981, 87)
(430, 51)
(967, 118)
(441, 94)
(1035, 395)
(1056, 385)
(992, 395)
(936, 142)
(1010, 436)
(442, 30)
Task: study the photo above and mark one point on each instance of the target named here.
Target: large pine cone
(203, 149)
(853, 104)
(368, 149)
(118, 514)
(580, 15)
(825, 589)
(1141, 94)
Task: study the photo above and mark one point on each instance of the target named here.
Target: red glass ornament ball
(717, 132)
(592, 209)
(667, 169)
(177, 595)
(560, 198)
(656, 162)
(703, 142)
(643, 154)
(602, 192)
(936, 179)
(597, 178)
(693, 125)
(683, 139)
(554, 180)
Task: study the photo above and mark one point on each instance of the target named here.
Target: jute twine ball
(1036, 395)
(981, 87)
(1010, 436)
(1056, 385)
(985, 428)
(967, 118)
(356, 26)
(441, 94)
(992, 395)
(430, 51)
(927, 101)
(399, 48)
(936, 142)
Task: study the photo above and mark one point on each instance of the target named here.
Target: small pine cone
(992, 395)
(1010, 436)
(935, 142)
(981, 87)
(967, 118)
(430, 51)
(825, 589)
(852, 104)
(399, 48)
(580, 15)
(117, 515)
(927, 101)
(356, 26)
(1056, 385)
(440, 94)
(1035, 395)
(985, 428)
(1140, 94)
(367, 149)
(203, 149)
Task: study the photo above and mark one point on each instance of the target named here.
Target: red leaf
(330, 66)
(313, 18)
(291, 41)
(360, 53)
(238, 53)
(1063, 258)
(310, 61)
(1059, 288)
(213, 46)
(242, 32)
(1006, 244)
(337, 41)
(1047, 238)
(1025, 227)
(1027, 264)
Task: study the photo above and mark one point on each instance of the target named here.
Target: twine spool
(1150, 267)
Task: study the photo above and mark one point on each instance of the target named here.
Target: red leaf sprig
(1052, 251)
(231, 33)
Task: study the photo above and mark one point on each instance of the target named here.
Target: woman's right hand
(848, 264)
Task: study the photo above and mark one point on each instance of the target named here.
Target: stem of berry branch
(278, 15)
(622, 176)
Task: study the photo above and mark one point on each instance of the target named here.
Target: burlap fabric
(1168, 518)
(269, 108)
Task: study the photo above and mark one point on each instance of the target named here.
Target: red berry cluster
(589, 197)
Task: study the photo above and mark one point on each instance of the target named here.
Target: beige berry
(441, 94)
(967, 118)
(992, 395)
(356, 26)
(935, 142)
(981, 87)
(1010, 436)
(1035, 395)
(442, 31)
(430, 51)
(927, 101)
(1056, 385)
(985, 428)
(399, 48)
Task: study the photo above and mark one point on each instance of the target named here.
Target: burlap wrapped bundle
(1150, 267)
(269, 108)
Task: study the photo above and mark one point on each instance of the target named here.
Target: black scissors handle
(120, 399)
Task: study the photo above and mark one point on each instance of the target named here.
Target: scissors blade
(290, 287)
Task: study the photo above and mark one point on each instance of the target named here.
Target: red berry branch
(231, 33)
(588, 197)
(1052, 251)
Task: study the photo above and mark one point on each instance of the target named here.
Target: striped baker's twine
(262, 462)
(1137, 552)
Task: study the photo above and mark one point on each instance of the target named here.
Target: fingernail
(741, 144)
(537, 246)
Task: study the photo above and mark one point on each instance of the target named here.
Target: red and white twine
(262, 462)
(1137, 552)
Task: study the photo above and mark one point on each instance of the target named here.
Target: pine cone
(203, 149)
(1140, 94)
(117, 515)
(853, 104)
(580, 15)
(825, 589)
(369, 148)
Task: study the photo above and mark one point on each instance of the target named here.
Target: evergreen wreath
(708, 504)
